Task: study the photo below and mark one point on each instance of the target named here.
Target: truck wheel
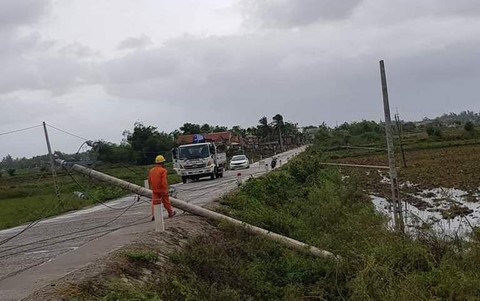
(184, 180)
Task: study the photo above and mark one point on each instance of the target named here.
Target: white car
(239, 161)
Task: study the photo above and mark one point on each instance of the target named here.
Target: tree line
(141, 144)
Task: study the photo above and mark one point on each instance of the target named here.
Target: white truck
(198, 160)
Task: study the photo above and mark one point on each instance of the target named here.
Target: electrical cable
(64, 235)
(20, 130)
(90, 195)
(226, 183)
(44, 213)
(102, 233)
(33, 223)
(68, 133)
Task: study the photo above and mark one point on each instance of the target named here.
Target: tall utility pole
(400, 138)
(397, 204)
(52, 163)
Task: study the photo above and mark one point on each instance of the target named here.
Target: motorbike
(274, 163)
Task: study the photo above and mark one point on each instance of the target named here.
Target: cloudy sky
(94, 67)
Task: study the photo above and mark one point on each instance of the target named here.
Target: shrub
(469, 127)
(144, 256)
(434, 132)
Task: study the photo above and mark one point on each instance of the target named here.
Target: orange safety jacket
(157, 179)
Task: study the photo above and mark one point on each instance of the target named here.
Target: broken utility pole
(200, 211)
(52, 163)
(397, 204)
(400, 138)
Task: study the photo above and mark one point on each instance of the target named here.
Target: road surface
(57, 246)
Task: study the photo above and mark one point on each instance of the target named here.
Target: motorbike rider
(274, 162)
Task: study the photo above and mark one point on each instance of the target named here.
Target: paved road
(57, 246)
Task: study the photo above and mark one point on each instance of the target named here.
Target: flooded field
(449, 212)
(440, 188)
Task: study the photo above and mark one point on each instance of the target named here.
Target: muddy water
(449, 212)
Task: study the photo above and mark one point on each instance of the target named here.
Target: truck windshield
(194, 152)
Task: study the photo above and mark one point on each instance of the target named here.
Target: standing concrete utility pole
(397, 204)
(52, 163)
(400, 138)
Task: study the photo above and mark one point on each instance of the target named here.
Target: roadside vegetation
(316, 205)
(306, 201)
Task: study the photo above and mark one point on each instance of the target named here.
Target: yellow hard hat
(159, 159)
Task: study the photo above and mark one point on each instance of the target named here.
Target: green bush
(469, 127)
(434, 132)
(11, 172)
(106, 193)
(145, 256)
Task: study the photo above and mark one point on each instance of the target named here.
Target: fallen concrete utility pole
(197, 210)
(355, 165)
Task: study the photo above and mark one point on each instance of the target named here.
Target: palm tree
(279, 125)
(264, 128)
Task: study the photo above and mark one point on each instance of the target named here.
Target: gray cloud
(141, 66)
(318, 70)
(51, 73)
(78, 50)
(135, 43)
(30, 63)
(292, 13)
(238, 79)
(381, 13)
(288, 13)
(21, 12)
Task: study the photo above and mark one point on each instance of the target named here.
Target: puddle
(449, 212)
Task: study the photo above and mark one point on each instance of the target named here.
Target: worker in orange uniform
(157, 179)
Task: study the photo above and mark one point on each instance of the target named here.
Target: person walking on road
(157, 179)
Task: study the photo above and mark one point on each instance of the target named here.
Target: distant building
(310, 133)
(227, 138)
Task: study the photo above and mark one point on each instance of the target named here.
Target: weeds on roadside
(312, 204)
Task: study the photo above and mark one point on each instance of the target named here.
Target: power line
(89, 195)
(68, 133)
(20, 130)
(32, 224)
(100, 234)
(64, 235)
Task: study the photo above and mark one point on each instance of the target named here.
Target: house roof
(227, 137)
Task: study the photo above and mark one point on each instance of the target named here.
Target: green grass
(29, 196)
(313, 204)
(18, 211)
(145, 256)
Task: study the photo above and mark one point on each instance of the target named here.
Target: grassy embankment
(313, 204)
(27, 197)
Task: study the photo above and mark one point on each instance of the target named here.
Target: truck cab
(198, 160)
